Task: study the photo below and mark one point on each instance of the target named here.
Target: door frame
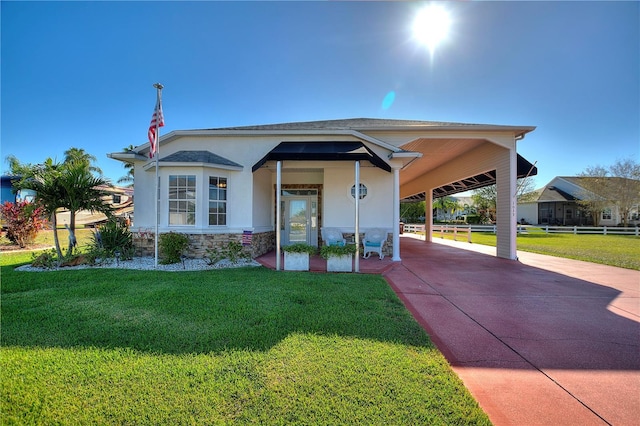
(312, 214)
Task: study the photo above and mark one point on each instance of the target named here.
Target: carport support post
(357, 216)
(278, 211)
(428, 215)
(506, 206)
(396, 215)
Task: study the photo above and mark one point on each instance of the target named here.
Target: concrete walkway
(539, 341)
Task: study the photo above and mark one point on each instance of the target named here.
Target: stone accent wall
(261, 243)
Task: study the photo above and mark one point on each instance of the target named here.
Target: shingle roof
(354, 124)
(198, 157)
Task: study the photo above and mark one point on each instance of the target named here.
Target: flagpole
(159, 88)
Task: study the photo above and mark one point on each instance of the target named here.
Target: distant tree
(447, 204)
(617, 185)
(484, 199)
(412, 212)
(79, 155)
(129, 167)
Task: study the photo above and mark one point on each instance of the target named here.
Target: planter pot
(340, 263)
(296, 261)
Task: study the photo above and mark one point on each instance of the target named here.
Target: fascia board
(149, 166)
(127, 157)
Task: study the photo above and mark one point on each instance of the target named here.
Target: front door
(299, 219)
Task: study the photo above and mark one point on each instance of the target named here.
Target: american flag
(157, 119)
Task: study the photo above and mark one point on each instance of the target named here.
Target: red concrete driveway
(539, 341)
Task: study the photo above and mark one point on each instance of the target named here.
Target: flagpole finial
(158, 86)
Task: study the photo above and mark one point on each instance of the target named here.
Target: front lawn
(217, 347)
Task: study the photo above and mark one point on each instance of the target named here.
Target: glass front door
(299, 219)
(298, 225)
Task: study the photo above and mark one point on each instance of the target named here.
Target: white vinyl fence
(468, 229)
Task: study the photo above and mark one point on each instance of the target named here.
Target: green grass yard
(217, 347)
(614, 250)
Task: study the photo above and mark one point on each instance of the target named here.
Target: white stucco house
(226, 183)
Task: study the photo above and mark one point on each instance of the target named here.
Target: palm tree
(81, 191)
(44, 180)
(128, 178)
(81, 156)
(69, 185)
(447, 204)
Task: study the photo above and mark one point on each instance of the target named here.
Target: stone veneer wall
(261, 243)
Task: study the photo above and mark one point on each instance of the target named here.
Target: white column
(278, 211)
(506, 204)
(428, 214)
(357, 217)
(396, 215)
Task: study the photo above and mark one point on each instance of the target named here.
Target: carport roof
(525, 168)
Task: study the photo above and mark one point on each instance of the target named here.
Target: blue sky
(80, 74)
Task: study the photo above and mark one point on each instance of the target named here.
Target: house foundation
(260, 243)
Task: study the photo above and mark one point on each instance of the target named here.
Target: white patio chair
(332, 237)
(373, 241)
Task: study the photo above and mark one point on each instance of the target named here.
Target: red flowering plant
(23, 221)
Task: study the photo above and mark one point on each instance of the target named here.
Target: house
(119, 198)
(276, 184)
(10, 194)
(557, 203)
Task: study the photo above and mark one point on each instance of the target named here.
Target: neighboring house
(464, 207)
(557, 203)
(12, 195)
(217, 185)
(121, 200)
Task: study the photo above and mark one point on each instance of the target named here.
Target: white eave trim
(151, 165)
(222, 132)
(127, 157)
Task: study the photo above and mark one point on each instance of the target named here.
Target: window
(116, 199)
(182, 200)
(363, 191)
(217, 201)
(606, 214)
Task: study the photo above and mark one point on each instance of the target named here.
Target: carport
(459, 157)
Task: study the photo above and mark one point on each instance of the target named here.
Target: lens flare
(431, 26)
(388, 100)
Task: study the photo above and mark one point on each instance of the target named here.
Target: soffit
(435, 152)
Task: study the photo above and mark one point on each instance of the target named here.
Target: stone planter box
(340, 263)
(296, 261)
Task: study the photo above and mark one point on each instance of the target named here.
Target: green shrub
(300, 248)
(110, 238)
(172, 245)
(328, 251)
(232, 251)
(23, 221)
(473, 219)
(46, 259)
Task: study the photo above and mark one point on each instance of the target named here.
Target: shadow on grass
(197, 312)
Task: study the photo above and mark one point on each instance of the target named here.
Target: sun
(431, 26)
